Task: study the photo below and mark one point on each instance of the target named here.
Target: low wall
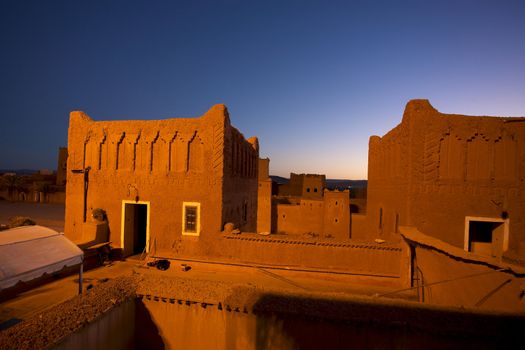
(39, 197)
(279, 250)
(289, 322)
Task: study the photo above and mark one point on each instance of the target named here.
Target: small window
(335, 202)
(380, 218)
(191, 219)
(315, 189)
(308, 189)
(486, 236)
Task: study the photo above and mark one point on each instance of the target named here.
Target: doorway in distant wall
(486, 236)
(135, 227)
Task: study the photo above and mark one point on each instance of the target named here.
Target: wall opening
(486, 236)
(245, 212)
(135, 227)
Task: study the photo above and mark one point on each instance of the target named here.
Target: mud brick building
(457, 178)
(162, 183)
(302, 206)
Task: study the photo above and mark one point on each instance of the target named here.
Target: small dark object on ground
(185, 267)
(161, 264)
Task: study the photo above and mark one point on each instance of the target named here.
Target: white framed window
(191, 218)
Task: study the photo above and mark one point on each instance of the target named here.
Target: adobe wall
(359, 227)
(313, 186)
(328, 217)
(264, 197)
(304, 217)
(301, 252)
(309, 186)
(434, 169)
(164, 163)
(241, 158)
(294, 187)
(336, 220)
(388, 179)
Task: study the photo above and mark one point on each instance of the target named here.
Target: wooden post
(80, 277)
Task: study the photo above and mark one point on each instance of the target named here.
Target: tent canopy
(27, 252)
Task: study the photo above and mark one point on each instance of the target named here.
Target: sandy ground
(45, 214)
(203, 276)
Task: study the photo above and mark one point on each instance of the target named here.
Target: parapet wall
(282, 250)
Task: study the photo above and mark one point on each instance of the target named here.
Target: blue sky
(312, 79)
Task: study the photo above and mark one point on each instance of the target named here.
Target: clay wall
(434, 169)
(304, 185)
(162, 163)
(264, 197)
(328, 217)
(294, 187)
(359, 227)
(264, 169)
(336, 221)
(305, 217)
(313, 186)
(240, 180)
(307, 252)
(388, 177)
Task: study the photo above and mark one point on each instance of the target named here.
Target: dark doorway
(486, 237)
(135, 228)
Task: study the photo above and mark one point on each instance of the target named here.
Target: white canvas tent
(27, 252)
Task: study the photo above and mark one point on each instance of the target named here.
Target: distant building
(62, 166)
(304, 185)
(164, 184)
(264, 197)
(303, 206)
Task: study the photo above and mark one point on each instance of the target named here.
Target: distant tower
(62, 166)
(264, 202)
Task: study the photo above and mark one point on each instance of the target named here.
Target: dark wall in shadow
(286, 322)
(147, 335)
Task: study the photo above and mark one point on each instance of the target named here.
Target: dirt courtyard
(44, 214)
